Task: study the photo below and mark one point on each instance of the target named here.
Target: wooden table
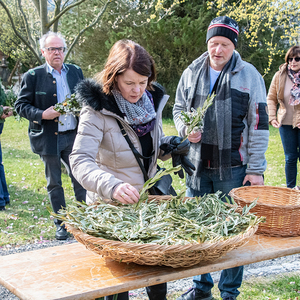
(73, 272)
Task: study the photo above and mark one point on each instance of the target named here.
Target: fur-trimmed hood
(89, 92)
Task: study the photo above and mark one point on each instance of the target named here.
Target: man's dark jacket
(38, 92)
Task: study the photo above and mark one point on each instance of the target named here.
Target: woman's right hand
(126, 193)
(275, 124)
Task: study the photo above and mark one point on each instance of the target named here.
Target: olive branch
(194, 119)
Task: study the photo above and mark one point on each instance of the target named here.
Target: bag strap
(136, 153)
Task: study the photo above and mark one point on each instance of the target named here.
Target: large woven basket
(152, 254)
(280, 206)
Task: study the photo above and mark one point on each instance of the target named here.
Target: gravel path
(265, 268)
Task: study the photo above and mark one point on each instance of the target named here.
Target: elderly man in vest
(51, 134)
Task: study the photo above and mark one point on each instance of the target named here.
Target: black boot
(157, 292)
(121, 296)
(195, 294)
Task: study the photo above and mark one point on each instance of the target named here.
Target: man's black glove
(185, 163)
(179, 149)
(176, 146)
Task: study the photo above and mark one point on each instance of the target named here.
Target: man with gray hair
(51, 134)
(230, 152)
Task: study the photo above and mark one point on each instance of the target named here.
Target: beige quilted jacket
(101, 157)
(276, 106)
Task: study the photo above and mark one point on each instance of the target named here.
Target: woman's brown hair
(124, 55)
(292, 52)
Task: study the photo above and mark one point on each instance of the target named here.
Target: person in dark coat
(5, 112)
(51, 134)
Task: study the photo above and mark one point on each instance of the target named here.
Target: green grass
(281, 287)
(27, 220)
(274, 175)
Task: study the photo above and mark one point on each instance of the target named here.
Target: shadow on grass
(10, 152)
(27, 218)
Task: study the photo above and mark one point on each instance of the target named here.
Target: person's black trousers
(155, 292)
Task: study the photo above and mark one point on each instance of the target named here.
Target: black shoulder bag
(161, 187)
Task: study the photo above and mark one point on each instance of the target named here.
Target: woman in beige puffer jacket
(284, 110)
(102, 160)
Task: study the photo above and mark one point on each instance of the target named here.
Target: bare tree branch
(65, 4)
(56, 17)
(37, 5)
(28, 31)
(18, 34)
(87, 27)
(9, 80)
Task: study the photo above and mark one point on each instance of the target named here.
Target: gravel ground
(265, 268)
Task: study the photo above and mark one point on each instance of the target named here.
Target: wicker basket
(280, 206)
(152, 254)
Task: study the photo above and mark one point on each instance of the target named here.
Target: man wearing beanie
(230, 151)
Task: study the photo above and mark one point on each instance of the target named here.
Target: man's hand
(254, 179)
(195, 137)
(7, 112)
(50, 113)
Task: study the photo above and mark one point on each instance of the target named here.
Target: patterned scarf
(295, 91)
(216, 138)
(140, 115)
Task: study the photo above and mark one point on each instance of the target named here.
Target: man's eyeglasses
(297, 59)
(53, 49)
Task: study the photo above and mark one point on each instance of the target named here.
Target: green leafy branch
(195, 118)
(151, 182)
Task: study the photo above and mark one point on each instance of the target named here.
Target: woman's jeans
(4, 195)
(291, 143)
(231, 279)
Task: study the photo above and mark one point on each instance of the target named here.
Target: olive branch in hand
(69, 106)
(195, 118)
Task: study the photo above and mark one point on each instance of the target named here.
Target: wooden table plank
(73, 272)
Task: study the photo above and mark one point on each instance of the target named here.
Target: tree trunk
(44, 16)
(9, 80)
(56, 12)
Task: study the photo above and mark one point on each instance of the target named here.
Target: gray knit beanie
(223, 26)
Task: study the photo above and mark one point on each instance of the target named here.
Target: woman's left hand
(275, 123)
(126, 193)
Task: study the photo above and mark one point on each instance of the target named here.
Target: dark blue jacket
(38, 92)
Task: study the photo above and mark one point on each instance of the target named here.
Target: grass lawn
(27, 218)
(281, 287)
